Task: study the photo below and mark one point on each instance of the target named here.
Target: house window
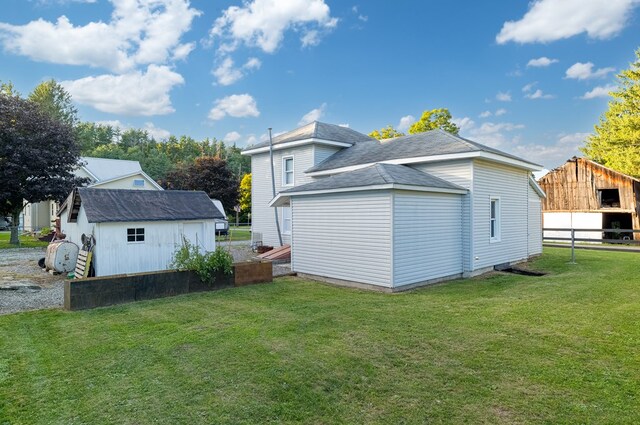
(494, 220)
(138, 183)
(286, 220)
(287, 171)
(135, 235)
(609, 198)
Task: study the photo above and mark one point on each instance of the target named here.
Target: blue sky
(529, 78)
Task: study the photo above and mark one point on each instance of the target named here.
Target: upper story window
(494, 220)
(287, 171)
(138, 183)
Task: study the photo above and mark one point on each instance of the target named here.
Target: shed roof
(318, 130)
(118, 205)
(431, 143)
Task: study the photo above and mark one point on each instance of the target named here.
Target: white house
(138, 230)
(396, 213)
(102, 173)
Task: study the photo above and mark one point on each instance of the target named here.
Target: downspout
(273, 186)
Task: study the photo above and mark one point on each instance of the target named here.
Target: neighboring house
(102, 173)
(395, 213)
(583, 194)
(135, 230)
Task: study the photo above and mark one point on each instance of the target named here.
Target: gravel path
(25, 286)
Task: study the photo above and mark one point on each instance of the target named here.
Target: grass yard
(240, 233)
(563, 348)
(25, 241)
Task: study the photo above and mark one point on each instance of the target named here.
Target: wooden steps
(281, 253)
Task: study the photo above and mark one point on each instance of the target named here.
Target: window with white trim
(286, 220)
(135, 235)
(494, 220)
(287, 171)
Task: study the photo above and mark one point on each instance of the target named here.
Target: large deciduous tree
(433, 119)
(209, 174)
(616, 141)
(38, 154)
(387, 132)
(245, 194)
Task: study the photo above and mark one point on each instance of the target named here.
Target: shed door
(194, 232)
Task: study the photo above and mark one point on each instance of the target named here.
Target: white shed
(138, 230)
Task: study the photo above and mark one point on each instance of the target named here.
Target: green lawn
(25, 241)
(240, 233)
(563, 348)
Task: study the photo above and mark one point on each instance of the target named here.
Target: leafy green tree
(245, 194)
(8, 89)
(91, 136)
(435, 118)
(209, 174)
(616, 142)
(387, 132)
(54, 100)
(38, 155)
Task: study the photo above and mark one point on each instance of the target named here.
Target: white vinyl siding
(427, 236)
(321, 152)
(458, 172)
(344, 236)
(535, 223)
(262, 214)
(510, 185)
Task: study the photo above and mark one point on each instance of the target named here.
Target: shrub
(189, 257)
(45, 231)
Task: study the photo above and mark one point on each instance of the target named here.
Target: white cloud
(564, 147)
(263, 23)
(551, 20)
(345, 125)
(539, 94)
(500, 112)
(503, 97)
(236, 105)
(464, 124)
(313, 115)
(485, 114)
(600, 91)
(527, 88)
(159, 134)
(584, 71)
(232, 137)
(227, 74)
(405, 122)
(541, 62)
(140, 32)
(135, 93)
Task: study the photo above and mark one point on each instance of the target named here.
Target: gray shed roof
(430, 143)
(318, 130)
(375, 175)
(116, 205)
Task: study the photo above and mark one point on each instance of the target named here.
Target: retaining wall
(94, 292)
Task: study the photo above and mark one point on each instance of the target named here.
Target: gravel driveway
(25, 286)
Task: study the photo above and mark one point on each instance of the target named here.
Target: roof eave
(297, 143)
(282, 198)
(435, 158)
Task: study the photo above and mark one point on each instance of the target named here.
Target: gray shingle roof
(430, 143)
(107, 169)
(116, 205)
(374, 175)
(318, 130)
